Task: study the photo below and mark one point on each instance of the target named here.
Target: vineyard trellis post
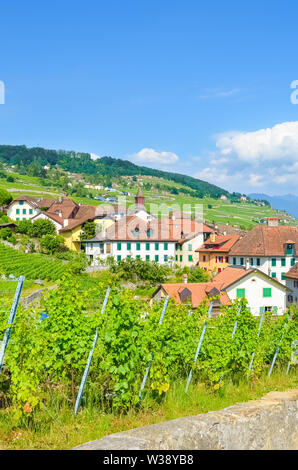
(11, 318)
(259, 331)
(150, 362)
(199, 347)
(84, 378)
(277, 349)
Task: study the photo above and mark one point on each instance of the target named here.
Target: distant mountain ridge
(286, 202)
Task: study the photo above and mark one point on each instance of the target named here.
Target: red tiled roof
(199, 292)
(230, 275)
(293, 272)
(66, 207)
(265, 241)
(221, 243)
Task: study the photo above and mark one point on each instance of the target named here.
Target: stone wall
(268, 423)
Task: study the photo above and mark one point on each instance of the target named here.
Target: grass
(58, 428)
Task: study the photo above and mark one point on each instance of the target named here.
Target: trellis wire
(260, 326)
(84, 378)
(150, 362)
(277, 349)
(11, 318)
(199, 347)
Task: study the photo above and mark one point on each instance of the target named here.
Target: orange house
(214, 253)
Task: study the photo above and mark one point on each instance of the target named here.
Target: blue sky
(201, 88)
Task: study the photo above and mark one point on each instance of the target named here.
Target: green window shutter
(118, 257)
(17, 211)
(176, 257)
(165, 246)
(24, 211)
(147, 257)
(18, 218)
(181, 257)
(156, 257)
(273, 262)
(129, 256)
(283, 277)
(240, 293)
(180, 247)
(241, 261)
(234, 260)
(190, 258)
(273, 275)
(267, 292)
(128, 245)
(138, 246)
(31, 211)
(262, 310)
(157, 246)
(24, 218)
(292, 261)
(165, 258)
(189, 247)
(138, 256)
(119, 246)
(147, 246)
(258, 262)
(283, 261)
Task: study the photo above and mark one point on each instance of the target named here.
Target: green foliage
(37, 229)
(88, 231)
(51, 243)
(5, 197)
(137, 269)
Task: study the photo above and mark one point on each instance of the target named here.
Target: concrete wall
(265, 424)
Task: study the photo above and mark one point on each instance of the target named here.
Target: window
(283, 277)
(31, 211)
(119, 246)
(267, 292)
(136, 232)
(18, 218)
(129, 256)
(251, 261)
(128, 246)
(24, 211)
(165, 258)
(24, 218)
(295, 283)
(240, 293)
(241, 261)
(204, 257)
(227, 259)
(273, 275)
(108, 248)
(21, 203)
(180, 247)
(181, 258)
(149, 232)
(147, 257)
(292, 261)
(273, 262)
(138, 256)
(283, 261)
(234, 260)
(176, 257)
(17, 211)
(268, 309)
(290, 249)
(156, 257)
(147, 246)
(165, 246)
(138, 246)
(156, 245)
(118, 257)
(190, 258)
(189, 247)
(258, 262)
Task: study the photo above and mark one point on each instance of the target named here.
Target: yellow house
(214, 253)
(71, 233)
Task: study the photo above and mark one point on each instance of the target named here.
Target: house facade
(292, 284)
(271, 249)
(23, 208)
(213, 254)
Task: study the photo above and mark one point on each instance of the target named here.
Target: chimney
(272, 221)
(65, 222)
(212, 237)
(247, 264)
(184, 277)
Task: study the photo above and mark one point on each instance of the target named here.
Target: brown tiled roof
(83, 214)
(222, 243)
(293, 272)
(45, 202)
(199, 291)
(265, 241)
(67, 207)
(23, 197)
(230, 275)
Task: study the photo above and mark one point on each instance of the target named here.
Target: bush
(5, 197)
(51, 243)
(5, 233)
(37, 229)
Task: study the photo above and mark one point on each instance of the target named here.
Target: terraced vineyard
(32, 266)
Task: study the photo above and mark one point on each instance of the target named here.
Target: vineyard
(32, 266)
(45, 359)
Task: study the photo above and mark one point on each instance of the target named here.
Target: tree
(5, 197)
(51, 243)
(88, 231)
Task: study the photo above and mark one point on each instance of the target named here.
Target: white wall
(253, 285)
(12, 211)
(266, 265)
(292, 297)
(43, 216)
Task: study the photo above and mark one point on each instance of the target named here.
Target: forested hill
(24, 157)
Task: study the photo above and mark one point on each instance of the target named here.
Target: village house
(292, 283)
(261, 291)
(25, 207)
(270, 248)
(213, 255)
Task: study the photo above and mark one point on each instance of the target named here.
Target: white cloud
(219, 93)
(280, 141)
(266, 158)
(94, 156)
(147, 155)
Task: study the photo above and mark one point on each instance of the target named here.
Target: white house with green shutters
(23, 208)
(271, 249)
(262, 292)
